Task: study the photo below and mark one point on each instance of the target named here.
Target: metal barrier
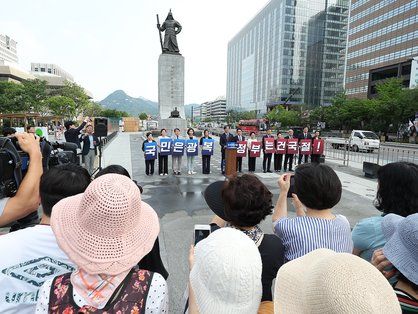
(382, 156)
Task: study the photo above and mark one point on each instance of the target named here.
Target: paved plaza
(179, 202)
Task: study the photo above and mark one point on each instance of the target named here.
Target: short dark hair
(278, 132)
(397, 190)
(162, 131)
(29, 127)
(8, 131)
(67, 124)
(252, 132)
(317, 186)
(117, 169)
(226, 126)
(206, 130)
(176, 129)
(247, 201)
(60, 182)
(190, 129)
(148, 134)
(239, 129)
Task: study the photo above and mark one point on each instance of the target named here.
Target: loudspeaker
(100, 127)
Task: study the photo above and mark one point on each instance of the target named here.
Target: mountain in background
(121, 101)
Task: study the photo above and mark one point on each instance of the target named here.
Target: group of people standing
(225, 138)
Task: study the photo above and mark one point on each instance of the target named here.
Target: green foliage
(113, 113)
(233, 116)
(11, 95)
(93, 109)
(143, 116)
(76, 93)
(34, 95)
(62, 106)
(285, 117)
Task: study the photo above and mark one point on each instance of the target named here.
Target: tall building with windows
(286, 46)
(49, 68)
(8, 49)
(382, 41)
(214, 110)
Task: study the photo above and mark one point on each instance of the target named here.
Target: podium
(231, 159)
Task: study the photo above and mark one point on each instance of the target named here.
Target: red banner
(269, 145)
(318, 147)
(292, 146)
(242, 149)
(255, 149)
(305, 147)
(281, 146)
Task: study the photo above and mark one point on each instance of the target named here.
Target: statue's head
(170, 16)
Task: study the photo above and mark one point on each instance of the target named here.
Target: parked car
(359, 140)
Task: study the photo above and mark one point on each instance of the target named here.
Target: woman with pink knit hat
(106, 231)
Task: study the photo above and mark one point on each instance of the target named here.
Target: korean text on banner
(191, 148)
(269, 145)
(292, 146)
(207, 147)
(242, 149)
(150, 150)
(305, 147)
(165, 146)
(255, 149)
(281, 146)
(318, 147)
(178, 147)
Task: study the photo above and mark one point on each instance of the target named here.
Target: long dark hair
(188, 130)
(397, 192)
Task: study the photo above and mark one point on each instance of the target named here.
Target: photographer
(26, 199)
(72, 134)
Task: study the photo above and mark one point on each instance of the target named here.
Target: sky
(108, 45)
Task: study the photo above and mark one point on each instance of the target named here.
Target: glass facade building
(383, 34)
(291, 51)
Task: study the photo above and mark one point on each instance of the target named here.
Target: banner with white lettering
(292, 146)
(207, 147)
(242, 149)
(165, 146)
(281, 146)
(305, 147)
(318, 147)
(255, 149)
(178, 147)
(191, 148)
(269, 145)
(150, 150)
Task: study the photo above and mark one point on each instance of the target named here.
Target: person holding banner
(251, 157)
(206, 145)
(149, 147)
(164, 149)
(316, 148)
(239, 138)
(280, 145)
(178, 143)
(290, 150)
(191, 147)
(268, 149)
(304, 136)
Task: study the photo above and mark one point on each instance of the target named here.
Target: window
(42, 69)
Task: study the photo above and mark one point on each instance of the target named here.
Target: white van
(358, 140)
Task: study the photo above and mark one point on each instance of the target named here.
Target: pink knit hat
(107, 229)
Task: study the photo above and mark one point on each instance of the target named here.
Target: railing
(386, 153)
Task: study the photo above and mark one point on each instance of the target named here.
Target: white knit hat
(323, 281)
(226, 276)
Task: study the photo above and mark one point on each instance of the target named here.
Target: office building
(268, 59)
(382, 42)
(8, 49)
(214, 110)
(49, 68)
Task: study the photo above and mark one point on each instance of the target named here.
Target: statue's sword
(159, 32)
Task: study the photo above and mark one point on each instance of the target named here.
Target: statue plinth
(171, 89)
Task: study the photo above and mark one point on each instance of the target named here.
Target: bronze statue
(171, 28)
(175, 113)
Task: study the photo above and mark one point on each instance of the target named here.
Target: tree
(285, 117)
(113, 113)
(143, 116)
(11, 95)
(62, 106)
(93, 109)
(76, 93)
(34, 95)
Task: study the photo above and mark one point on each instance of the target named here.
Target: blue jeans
(190, 163)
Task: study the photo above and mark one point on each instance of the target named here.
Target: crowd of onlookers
(96, 248)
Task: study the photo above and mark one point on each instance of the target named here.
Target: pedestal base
(171, 123)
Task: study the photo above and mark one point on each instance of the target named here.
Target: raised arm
(280, 210)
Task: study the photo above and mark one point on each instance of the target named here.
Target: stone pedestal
(170, 86)
(171, 123)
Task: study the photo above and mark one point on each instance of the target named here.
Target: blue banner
(178, 147)
(150, 150)
(231, 145)
(165, 146)
(191, 148)
(207, 147)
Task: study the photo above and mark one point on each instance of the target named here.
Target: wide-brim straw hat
(401, 248)
(213, 197)
(324, 281)
(107, 229)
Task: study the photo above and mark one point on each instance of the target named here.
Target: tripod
(99, 167)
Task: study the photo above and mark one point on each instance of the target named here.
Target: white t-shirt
(156, 303)
(29, 257)
(3, 202)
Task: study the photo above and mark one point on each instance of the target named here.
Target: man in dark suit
(238, 138)
(266, 156)
(304, 136)
(288, 158)
(89, 152)
(223, 140)
(72, 134)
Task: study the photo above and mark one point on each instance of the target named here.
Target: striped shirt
(408, 303)
(303, 234)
